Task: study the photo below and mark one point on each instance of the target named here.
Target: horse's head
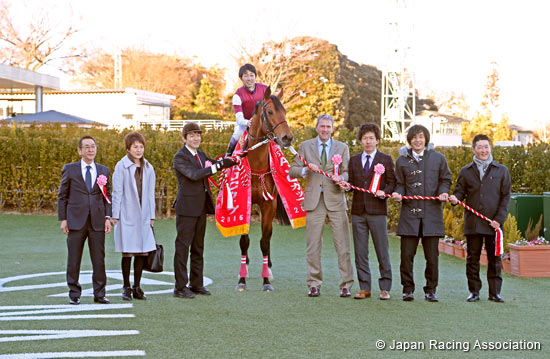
(272, 115)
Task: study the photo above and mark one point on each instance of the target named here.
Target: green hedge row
(32, 158)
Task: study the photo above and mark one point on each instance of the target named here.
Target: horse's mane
(276, 102)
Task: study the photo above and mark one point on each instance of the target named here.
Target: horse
(268, 122)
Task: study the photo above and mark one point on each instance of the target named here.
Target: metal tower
(398, 89)
(118, 69)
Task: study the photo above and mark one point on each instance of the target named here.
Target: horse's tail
(282, 217)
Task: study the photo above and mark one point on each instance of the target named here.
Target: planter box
(459, 251)
(506, 265)
(449, 248)
(441, 246)
(530, 261)
(483, 258)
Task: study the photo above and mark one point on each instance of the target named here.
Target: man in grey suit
(324, 198)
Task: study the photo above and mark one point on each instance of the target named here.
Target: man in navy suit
(369, 212)
(193, 203)
(85, 213)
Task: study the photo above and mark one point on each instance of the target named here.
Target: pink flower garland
(336, 161)
(101, 182)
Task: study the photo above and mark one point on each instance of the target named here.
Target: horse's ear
(280, 94)
(267, 94)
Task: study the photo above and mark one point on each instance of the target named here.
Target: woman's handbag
(155, 259)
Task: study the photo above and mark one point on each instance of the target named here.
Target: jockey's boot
(231, 147)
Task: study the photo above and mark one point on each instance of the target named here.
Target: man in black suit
(369, 212)
(85, 213)
(193, 203)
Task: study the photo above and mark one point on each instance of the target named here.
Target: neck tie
(367, 166)
(324, 155)
(88, 178)
(198, 159)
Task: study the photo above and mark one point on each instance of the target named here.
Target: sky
(452, 43)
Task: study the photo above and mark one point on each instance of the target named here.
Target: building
(115, 108)
(445, 130)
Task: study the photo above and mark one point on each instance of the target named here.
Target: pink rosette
(379, 168)
(336, 161)
(101, 182)
(207, 164)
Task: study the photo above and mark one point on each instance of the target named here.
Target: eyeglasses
(87, 147)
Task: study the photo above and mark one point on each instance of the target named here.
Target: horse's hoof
(241, 287)
(267, 288)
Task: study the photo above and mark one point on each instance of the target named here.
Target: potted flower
(448, 247)
(505, 263)
(459, 250)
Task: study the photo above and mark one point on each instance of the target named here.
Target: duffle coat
(428, 177)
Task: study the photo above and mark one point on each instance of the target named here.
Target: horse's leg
(268, 209)
(243, 273)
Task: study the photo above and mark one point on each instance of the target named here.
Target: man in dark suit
(369, 212)
(485, 186)
(85, 213)
(193, 203)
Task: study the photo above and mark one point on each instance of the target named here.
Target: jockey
(244, 102)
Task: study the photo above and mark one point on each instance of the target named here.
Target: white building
(445, 130)
(115, 108)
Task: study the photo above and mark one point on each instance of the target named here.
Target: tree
(480, 123)
(145, 70)
(35, 44)
(502, 130)
(207, 99)
(492, 90)
(450, 103)
(318, 79)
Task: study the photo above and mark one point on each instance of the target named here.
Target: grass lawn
(285, 323)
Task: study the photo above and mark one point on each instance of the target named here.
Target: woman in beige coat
(133, 212)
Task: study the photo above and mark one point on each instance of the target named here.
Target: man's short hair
(368, 127)
(133, 137)
(480, 137)
(87, 137)
(415, 130)
(325, 117)
(246, 67)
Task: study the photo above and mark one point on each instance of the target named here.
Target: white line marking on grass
(66, 317)
(117, 353)
(45, 309)
(59, 334)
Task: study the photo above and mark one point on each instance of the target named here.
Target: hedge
(32, 158)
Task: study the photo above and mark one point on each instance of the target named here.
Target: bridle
(270, 134)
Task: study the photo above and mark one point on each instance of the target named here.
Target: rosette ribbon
(378, 172)
(336, 161)
(101, 182)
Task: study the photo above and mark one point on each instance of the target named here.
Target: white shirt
(194, 153)
(417, 155)
(93, 171)
(364, 158)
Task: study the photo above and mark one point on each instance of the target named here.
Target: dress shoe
(408, 297)
(101, 300)
(184, 293)
(473, 297)
(314, 292)
(138, 293)
(200, 291)
(362, 294)
(74, 301)
(385, 295)
(431, 297)
(344, 293)
(126, 293)
(496, 298)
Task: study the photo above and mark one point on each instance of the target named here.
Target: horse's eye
(269, 112)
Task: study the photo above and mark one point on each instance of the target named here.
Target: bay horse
(268, 122)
